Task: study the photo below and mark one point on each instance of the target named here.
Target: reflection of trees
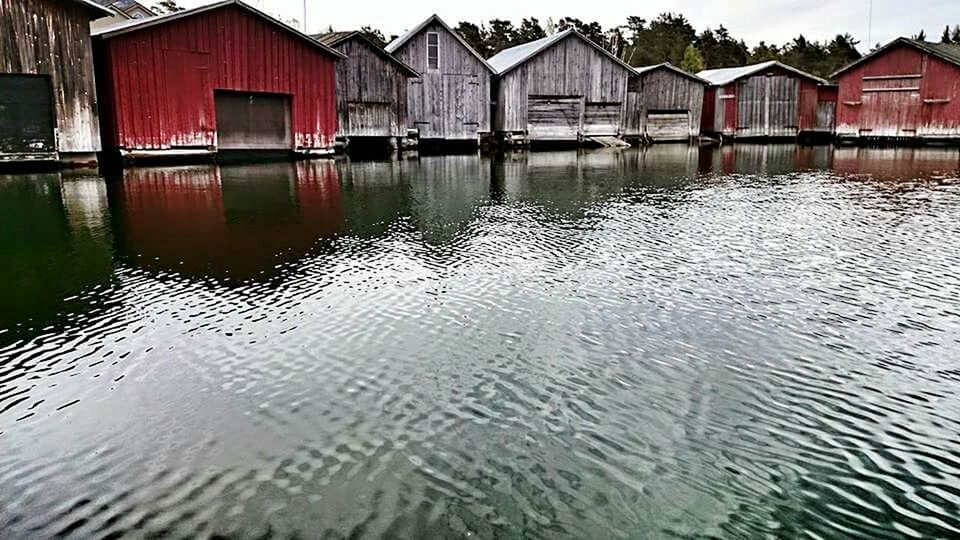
(235, 222)
(54, 244)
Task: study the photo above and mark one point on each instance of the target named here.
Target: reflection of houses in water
(772, 159)
(574, 181)
(897, 163)
(55, 244)
(438, 194)
(226, 222)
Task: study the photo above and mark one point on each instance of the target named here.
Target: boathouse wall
(564, 92)
(664, 104)
(48, 101)
(902, 91)
(450, 101)
(163, 84)
(775, 102)
(371, 88)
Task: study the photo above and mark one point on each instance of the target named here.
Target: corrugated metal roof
(140, 24)
(667, 65)
(510, 58)
(333, 39)
(725, 76)
(945, 51)
(396, 44)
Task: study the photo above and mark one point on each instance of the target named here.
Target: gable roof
(944, 51)
(667, 65)
(334, 39)
(136, 25)
(124, 5)
(98, 11)
(509, 59)
(725, 76)
(398, 43)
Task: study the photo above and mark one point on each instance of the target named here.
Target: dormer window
(433, 50)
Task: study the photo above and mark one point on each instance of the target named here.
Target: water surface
(728, 343)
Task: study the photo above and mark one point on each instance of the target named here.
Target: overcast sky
(773, 21)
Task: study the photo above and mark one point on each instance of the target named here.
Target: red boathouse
(768, 100)
(906, 89)
(218, 77)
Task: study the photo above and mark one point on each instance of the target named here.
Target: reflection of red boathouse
(227, 222)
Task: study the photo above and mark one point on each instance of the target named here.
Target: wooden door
(555, 118)
(26, 115)
(782, 106)
(752, 107)
(461, 107)
(602, 119)
(668, 125)
(249, 121)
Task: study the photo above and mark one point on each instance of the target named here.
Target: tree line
(668, 38)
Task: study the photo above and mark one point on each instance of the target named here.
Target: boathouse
(48, 102)
(906, 89)
(450, 101)
(664, 104)
(371, 88)
(767, 100)
(562, 88)
(215, 78)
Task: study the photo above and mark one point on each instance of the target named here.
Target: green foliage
(692, 60)
(672, 38)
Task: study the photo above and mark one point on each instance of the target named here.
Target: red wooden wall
(157, 83)
(932, 111)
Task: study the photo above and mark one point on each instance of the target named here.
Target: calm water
(676, 343)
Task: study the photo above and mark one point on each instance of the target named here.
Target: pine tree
(946, 35)
(956, 35)
(692, 60)
(922, 36)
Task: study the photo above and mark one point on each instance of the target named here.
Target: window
(433, 50)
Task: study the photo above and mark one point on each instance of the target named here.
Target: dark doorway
(26, 115)
(249, 121)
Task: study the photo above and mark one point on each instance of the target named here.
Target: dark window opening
(433, 50)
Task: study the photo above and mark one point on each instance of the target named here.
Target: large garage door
(247, 121)
(668, 125)
(26, 115)
(553, 118)
(602, 119)
(370, 119)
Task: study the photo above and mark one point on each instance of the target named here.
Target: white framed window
(433, 50)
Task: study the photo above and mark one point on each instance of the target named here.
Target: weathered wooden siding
(158, 83)
(371, 93)
(902, 92)
(570, 68)
(52, 37)
(452, 102)
(768, 106)
(662, 90)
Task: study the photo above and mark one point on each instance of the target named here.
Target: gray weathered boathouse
(48, 102)
(450, 101)
(664, 104)
(562, 88)
(371, 88)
